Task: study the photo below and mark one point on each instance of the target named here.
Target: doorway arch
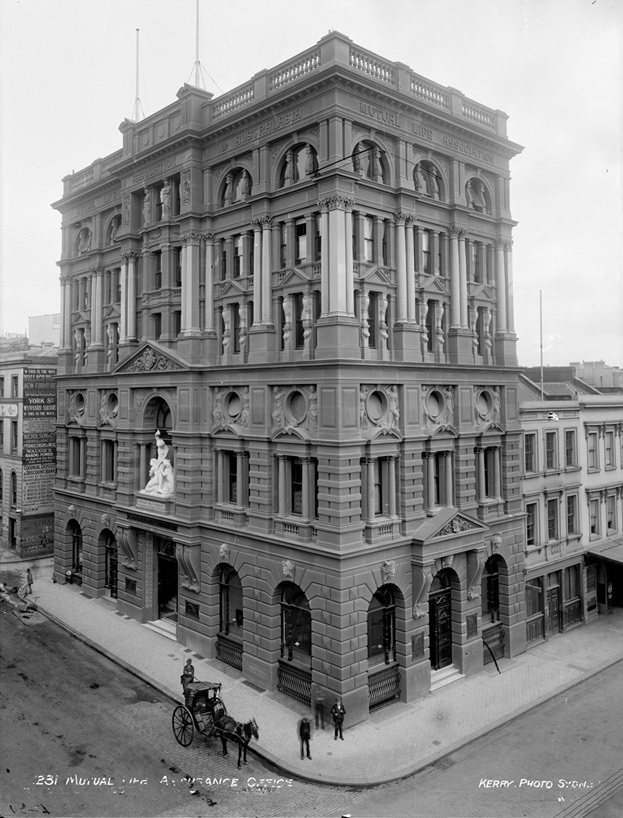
(443, 593)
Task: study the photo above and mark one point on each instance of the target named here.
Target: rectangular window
(382, 482)
(552, 519)
(373, 306)
(318, 238)
(230, 463)
(439, 471)
(157, 270)
(1, 436)
(426, 244)
(609, 450)
(283, 246)
(13, 436)
(14, 386)
(551, 455)
(594, 516)
(593, 455)
(177, 266)
(116, 283)
(611, 516)
(299, 333)
(75, 457)
(238, 251)
(570, 449)
(491, 463)
(368, 238)
(572, 514)
(301, 241)
(530, 453)
(571, 580)
(177, 322)
(534, 597)
(296, 486)
(156, 321)
(531, 523)
(235, 328)
(223, 260)
(109, 461)
(431, 310)
(1, 387)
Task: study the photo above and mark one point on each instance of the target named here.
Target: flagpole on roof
(137, 113)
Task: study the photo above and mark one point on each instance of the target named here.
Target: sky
(68, 80)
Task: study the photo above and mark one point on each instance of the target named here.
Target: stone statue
(161, 475)
(165, 199)
(147, 206)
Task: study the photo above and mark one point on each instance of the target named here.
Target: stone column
(123, 328)
(510, 306)
(282, 484)
(348, 215)
(257, 272)
(219, 475)
(401, 269)
(66, 313)
(370, 462)
(448, 475)
(391, 462)
(190, 284)
(463, 278)
(455, 278)
(267, 267)
(324, 257)
(500, 286)
(209, 283)
(97, 307)
(131, 297)
(410, 264)
(480, 463)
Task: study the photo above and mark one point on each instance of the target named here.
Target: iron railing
(383, 687)
(229, 651)
(295, 682)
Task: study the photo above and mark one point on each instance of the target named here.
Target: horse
(241, 733)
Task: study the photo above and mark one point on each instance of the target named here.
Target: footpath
(395, 741)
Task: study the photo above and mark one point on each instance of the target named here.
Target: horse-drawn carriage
(204, 712)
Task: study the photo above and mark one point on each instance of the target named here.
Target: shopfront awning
(612, 550)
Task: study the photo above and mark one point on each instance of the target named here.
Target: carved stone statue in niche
(161, 474)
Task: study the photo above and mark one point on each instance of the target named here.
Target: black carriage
(202, 708)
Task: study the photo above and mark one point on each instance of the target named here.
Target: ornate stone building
(305, 286)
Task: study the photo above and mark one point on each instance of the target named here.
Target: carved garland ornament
(151, 361)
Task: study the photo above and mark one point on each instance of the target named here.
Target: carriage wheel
(182, 723)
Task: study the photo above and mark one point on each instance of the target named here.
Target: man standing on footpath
(305, 735)
(338, 712)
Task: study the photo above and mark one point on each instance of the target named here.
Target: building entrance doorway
(111, 568)
(167, 580)
(552, 617)
(440, 625)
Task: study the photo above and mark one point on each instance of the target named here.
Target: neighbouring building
(573, 495)
(599, 374)
(44, 330)
(27, 450)
(288, 390)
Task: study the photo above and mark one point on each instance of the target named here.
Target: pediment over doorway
(149, 358)
(448, 523)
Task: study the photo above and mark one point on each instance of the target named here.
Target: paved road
(562, 753)
(80, 736)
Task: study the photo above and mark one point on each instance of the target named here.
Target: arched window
(490, 589)
(428, 180)
(13, 489)
(230, 603)
(237, 188)
(299, 164)
(477, 196)
(295, 624)
(75, 534)
(382, 627)
(370, 162)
